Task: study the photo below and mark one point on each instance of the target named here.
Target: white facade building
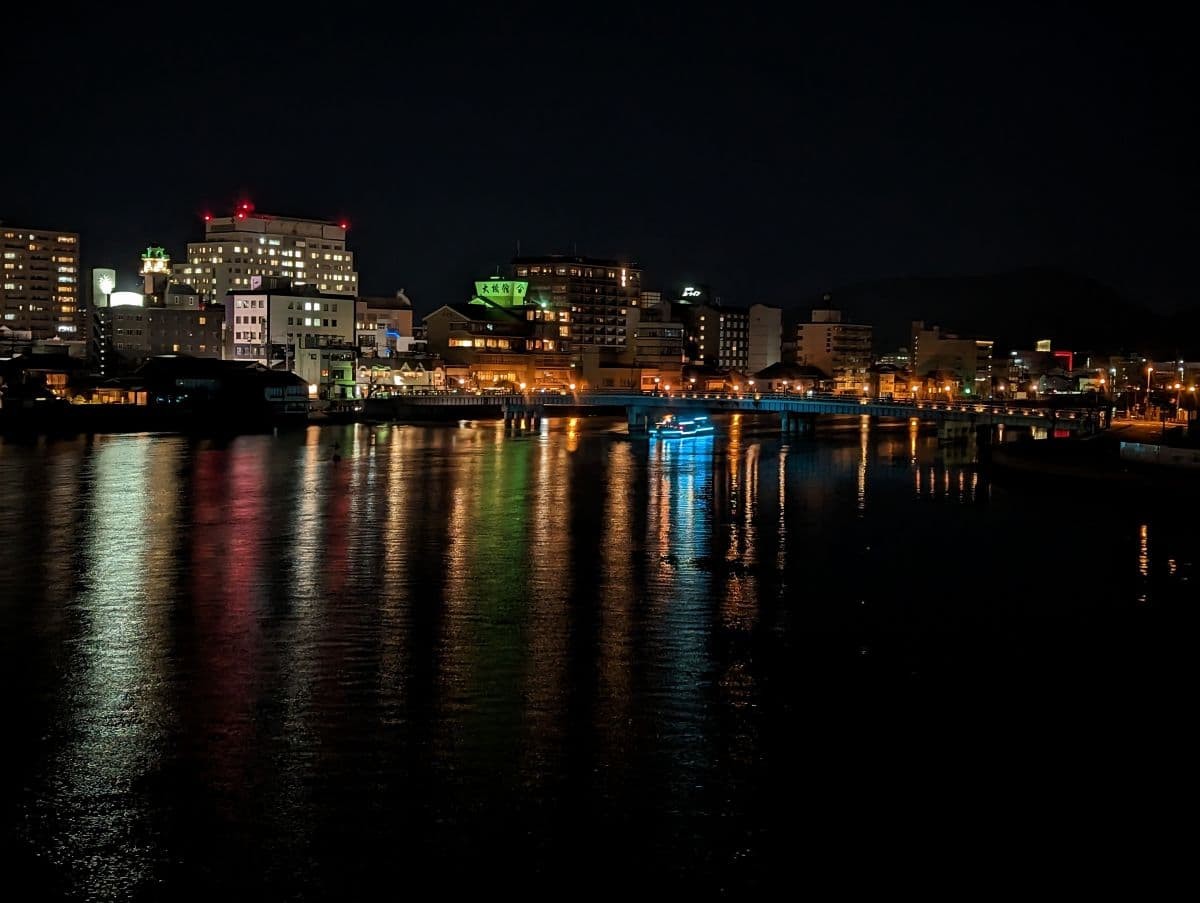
(277, 324)
(766, 337)
(239, 251)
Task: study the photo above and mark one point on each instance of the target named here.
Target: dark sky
(769, 156)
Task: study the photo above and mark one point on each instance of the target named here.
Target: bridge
(797, 412)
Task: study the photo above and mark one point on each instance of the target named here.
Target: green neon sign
(502, 292)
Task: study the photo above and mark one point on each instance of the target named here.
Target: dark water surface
(574, 664)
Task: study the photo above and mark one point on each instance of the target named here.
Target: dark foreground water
(573, 664)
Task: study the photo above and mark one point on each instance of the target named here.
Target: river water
(565, 663)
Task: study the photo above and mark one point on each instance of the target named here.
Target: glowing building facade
(239, 251)
(39, 283)
(597, 294)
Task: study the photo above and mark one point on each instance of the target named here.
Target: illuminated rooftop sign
(155, 260)
(502, 292)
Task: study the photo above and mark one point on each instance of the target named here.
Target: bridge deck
(982, 412)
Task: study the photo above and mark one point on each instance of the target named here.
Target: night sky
(771, 158)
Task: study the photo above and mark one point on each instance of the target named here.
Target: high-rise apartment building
(39, 285)
(597, 294)
(840, 350)
(239, 251)
(721, 335)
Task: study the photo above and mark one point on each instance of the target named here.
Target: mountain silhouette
(1015, 309)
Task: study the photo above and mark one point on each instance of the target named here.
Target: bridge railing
(979, 407)
(622, 396)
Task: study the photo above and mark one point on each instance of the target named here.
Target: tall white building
(239, 251)
(766, 337)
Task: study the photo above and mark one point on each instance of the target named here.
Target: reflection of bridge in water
(797, 414)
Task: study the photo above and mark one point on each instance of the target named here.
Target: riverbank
(1093, 463)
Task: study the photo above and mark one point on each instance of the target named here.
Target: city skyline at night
(773, 159)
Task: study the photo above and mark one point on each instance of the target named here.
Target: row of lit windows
(578, 272)
(33, 236)
(481, 343)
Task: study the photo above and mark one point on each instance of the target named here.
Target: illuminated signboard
(502, 292)
(155, 260)
(690, 292)
(127, 299)
(104, 280)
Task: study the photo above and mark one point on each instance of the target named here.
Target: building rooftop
(784, 370)
(570, 258)
(480, 313)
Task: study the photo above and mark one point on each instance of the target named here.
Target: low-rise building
(500, 341)
(126, 335)
(787, 377)
(382, 324)
(382, 377)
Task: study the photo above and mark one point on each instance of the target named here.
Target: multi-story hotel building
(722, 336)
(239, 251)
(596, 293)
(39, 285)
(840, 350)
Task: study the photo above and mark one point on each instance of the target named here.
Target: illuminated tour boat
(672, 427)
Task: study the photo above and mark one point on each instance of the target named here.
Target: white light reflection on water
(117, 714)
